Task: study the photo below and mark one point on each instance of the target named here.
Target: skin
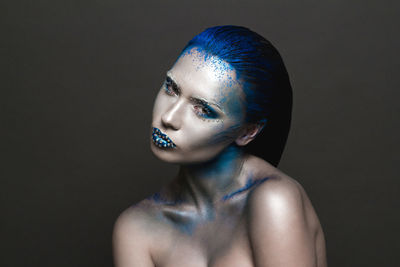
(224, 207)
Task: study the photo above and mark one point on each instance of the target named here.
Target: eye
(169, 87)
(205, 112)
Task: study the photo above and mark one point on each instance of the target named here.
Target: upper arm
(130, 242)
(278, 228)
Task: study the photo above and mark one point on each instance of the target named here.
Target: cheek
(205, 134)
(225, 135)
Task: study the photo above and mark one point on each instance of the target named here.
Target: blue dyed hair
(265, 81)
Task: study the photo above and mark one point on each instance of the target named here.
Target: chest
(215, 244)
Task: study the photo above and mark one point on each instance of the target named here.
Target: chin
(165, 154)
(175, 156)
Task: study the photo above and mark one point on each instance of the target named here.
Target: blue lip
(162, 140)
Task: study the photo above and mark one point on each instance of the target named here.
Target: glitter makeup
(161, 140)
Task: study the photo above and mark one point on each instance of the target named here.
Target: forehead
(208, 77)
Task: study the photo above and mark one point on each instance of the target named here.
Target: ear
(249, 132)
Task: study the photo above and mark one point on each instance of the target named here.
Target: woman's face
(198, 111)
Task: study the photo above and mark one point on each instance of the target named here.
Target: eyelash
(206, 112)
(168, 90)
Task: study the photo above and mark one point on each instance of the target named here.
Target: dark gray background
(78, 80)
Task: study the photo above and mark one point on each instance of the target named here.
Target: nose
(172, 117)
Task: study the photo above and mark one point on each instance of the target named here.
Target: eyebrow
(193, 99)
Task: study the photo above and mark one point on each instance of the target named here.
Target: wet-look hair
(266, 85)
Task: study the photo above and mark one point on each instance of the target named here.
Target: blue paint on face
(232, 93)
(220, 66)
(229, 95)
(258, 66)
(227, 134)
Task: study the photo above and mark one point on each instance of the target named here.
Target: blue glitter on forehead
(263, 77)
(220, 66)
(228, 95)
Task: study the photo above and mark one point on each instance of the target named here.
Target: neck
(207, 183)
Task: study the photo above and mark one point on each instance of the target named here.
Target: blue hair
(265, 81)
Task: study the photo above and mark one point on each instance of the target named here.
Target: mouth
(161, 140)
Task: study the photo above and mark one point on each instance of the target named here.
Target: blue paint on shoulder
(249, 184)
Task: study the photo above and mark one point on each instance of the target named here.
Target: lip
(162, 140)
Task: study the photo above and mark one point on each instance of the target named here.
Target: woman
(226, 206)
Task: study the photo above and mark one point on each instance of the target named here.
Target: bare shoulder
(133, 218)
(132, 236)
(281, 196)
(282, 219)
(278, 193)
